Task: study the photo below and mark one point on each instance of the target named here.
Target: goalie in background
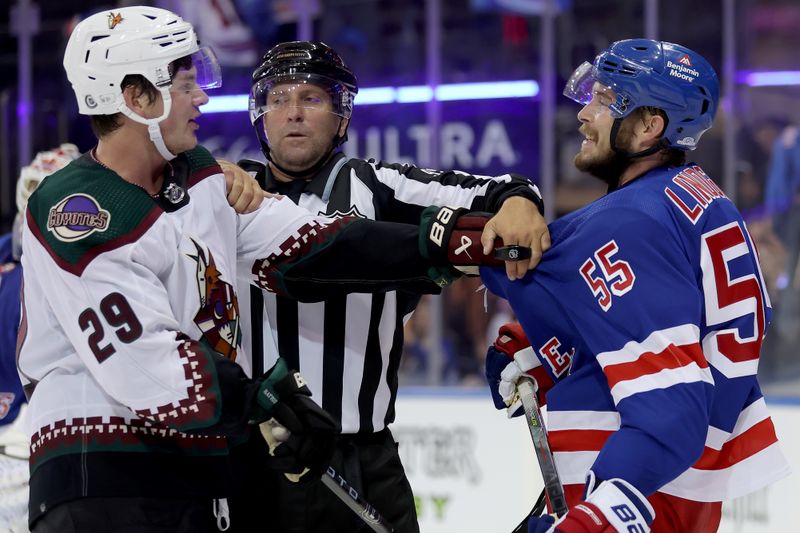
(13, 441)
(648, 313)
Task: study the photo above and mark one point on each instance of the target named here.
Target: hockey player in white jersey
(130, 324)
(647, 314)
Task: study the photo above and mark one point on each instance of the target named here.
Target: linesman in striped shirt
(348, 348)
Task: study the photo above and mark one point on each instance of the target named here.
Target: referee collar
(316, 185)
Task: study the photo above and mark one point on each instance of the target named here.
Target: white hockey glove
(507, 359)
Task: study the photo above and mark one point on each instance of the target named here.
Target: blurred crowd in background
(384, 42)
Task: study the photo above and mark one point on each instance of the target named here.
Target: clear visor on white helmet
(208, 71)
(582, 86)
(207, 76)
(308, 91)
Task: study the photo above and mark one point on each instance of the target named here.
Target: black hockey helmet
(302, 62)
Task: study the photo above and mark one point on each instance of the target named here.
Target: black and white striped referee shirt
(348, 348)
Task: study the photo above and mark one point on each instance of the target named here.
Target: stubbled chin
(582, 156)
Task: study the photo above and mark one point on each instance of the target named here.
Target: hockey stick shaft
(544, 455)
(355, 501)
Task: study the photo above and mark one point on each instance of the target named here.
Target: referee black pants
(369, 463)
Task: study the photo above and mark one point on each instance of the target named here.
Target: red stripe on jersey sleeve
(651, 363)
(749, 443)
(578, 440)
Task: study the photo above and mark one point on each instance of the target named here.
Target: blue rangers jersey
(11, 395)
(649, 312)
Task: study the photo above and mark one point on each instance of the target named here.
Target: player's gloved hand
(306, 441)
(613, 505)
(510, 357)
(452, 237)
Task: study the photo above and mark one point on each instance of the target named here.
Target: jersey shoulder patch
(86, 209)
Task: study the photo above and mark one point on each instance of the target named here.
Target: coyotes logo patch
(77, 216)
(218, 317)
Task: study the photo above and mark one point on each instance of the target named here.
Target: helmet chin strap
(153, 128)
(155, 135)
(662, 143)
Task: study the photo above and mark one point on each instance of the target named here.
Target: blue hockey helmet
(668, 76)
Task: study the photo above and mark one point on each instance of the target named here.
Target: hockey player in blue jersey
(647, 313)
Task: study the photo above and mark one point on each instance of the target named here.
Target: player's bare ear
(134, 101)
(138, 100)
(343, 126)
(654, 124)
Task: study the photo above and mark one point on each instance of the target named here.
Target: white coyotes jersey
(117, 292)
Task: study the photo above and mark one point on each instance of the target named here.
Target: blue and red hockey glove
(507, 359)
(610, 506)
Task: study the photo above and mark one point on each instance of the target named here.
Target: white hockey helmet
(44, 164)
(107, 46)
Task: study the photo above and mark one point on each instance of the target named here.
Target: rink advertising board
(473, 470)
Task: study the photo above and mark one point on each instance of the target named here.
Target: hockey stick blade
(355, 501)
(544, 455)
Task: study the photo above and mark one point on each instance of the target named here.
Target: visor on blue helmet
(583, 85)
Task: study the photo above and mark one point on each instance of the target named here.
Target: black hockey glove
(301, 434)
(452, 237)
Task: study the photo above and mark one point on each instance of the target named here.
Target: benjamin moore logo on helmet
(77, 216)
(683, 69)
(113, 20)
